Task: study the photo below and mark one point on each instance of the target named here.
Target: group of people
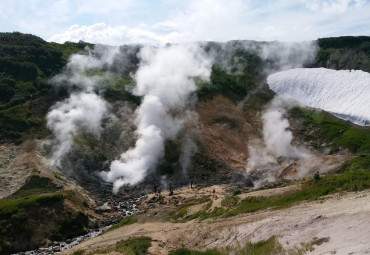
(158, 190)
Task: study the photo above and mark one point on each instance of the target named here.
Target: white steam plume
(276, 134)
(189, 148)
(78, 65)
(277, 138)
(344, 93)
(166, 79)
(82, 110)
(287, 55)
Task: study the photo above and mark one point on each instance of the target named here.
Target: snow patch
(344, 93)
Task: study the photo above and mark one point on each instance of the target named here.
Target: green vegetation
(29, 219)
(131, 246)
(270, 246)
(230, 201)
(69, 48)
(311, 190)
(236, 192)
(21, 217)
(70, 225)
(201, 214)
(184, 251)
(346, 52)
(235, 86)
(265, 247)
(117, 88)
(26, 63)
(16, 120)
(10, 206)
(359, 163)
(180, 214)
(343, 42)
(35, 185)
(124, 222)
(333, 131)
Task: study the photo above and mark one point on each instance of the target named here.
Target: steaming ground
(165, 80)
(344, 93)
(275, 150)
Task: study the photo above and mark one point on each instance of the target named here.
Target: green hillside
(26, 64)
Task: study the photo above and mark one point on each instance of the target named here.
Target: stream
(125, 208)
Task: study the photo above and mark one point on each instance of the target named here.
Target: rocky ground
(318, 224)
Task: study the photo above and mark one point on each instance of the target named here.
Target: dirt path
(344, 219)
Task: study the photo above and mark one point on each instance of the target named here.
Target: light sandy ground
(16, 166)
(344, 218)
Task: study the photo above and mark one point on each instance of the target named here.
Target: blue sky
(159, 21)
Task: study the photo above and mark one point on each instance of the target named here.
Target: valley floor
(338, 224)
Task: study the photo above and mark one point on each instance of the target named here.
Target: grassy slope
(26, 221)
(336, 134)
(266, 247)
(26, 63)
(353, 180)
(134, 246)
(333, 131)
(35, 212)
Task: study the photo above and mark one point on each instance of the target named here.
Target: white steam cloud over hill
(344, 93)
(165, 79)
(84, 109)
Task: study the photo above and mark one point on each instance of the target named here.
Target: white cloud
(43, 17)
(123, 22)
(166, 25)
(334, 6)
(98, 7)
(105, 34)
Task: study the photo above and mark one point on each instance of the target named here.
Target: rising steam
(165, 79)
(84, 109)
(79, 111)
(277, 140)
(276, 134)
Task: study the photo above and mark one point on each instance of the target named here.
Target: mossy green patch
(361, 162)
(71, 225)
(124, 222)
(235, 86)
(131, 246)
(35, 185)
(9, 206)
(22, 218)
(270, 246)
(230, 201)
(333, 131)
